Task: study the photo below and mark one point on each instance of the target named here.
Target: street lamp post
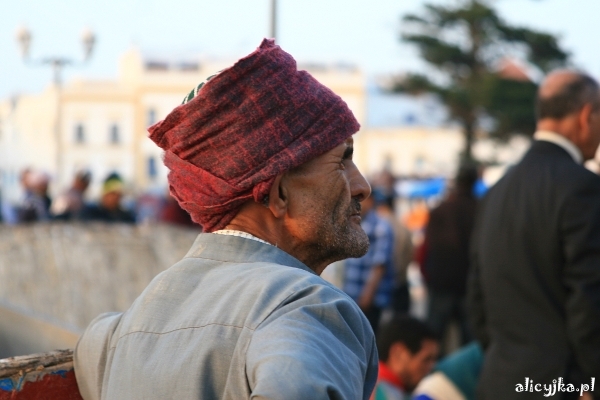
(274, 19)
(57, 63)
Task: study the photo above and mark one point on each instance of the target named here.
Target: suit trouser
(442, 309)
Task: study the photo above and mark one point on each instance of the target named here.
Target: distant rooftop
(158, 65)
(193, 63)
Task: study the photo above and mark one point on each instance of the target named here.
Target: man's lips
(355, 214)
(355, 208)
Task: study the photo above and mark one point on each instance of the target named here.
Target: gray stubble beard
(344, 241)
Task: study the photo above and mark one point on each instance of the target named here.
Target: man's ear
(584, 120)
(278, 197)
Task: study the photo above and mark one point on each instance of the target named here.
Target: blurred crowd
(73, 205)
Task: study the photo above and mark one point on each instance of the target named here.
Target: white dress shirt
(559, 140)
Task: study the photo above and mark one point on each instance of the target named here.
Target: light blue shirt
(234, 319)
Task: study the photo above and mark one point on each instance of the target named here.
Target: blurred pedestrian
(369, 280)
(407, 350)
(109, 207)
(70, 204)
(446, 256)
(535, 286)
(36, 203)
(417, 217)
(402, 253)
(454, 377)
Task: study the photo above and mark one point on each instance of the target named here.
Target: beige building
(101, 125)
(405, 151)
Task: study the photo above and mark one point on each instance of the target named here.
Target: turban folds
(251, 122)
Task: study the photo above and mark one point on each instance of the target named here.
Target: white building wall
(97, 153)
(159, 105)
(409, 151)
(27, 139)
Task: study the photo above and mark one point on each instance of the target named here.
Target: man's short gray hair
(572, 97)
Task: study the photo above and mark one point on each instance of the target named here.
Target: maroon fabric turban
(246, 125)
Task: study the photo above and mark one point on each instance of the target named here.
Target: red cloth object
(385, 374)
(251, 122)
(421, 258)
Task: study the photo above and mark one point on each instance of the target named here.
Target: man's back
(236, 318)
(535, 288)
(448, 232)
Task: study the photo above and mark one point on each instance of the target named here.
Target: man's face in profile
(421, 363)
(325, 195)
(414, 366)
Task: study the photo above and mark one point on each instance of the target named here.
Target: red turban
(246, 125)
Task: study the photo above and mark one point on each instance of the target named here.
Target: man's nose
(359, 187)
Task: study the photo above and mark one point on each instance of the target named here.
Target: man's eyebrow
(348, 153)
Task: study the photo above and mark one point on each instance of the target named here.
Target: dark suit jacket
(534, 287)
(447, 234)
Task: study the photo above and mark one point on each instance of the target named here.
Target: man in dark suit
(534, 288)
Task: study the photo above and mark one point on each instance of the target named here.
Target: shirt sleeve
(91, 354)
(316, 345)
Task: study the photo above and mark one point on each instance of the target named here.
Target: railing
(39, 376)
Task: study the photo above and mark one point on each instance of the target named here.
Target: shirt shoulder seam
(180, 329)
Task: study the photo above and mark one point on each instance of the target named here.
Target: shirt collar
(232, 232)
(559, 140)
(230, 248)
(386, 375)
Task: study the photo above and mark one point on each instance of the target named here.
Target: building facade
(101, 126)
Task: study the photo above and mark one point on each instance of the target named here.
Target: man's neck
(562, 141)
(278, 236)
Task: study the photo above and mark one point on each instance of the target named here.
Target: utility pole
(274, 19)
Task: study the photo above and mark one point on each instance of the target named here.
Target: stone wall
(70, 273)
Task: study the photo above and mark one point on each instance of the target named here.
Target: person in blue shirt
(369, 280)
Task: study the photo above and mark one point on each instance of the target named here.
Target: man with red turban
(260, 155)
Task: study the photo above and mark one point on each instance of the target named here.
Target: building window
(151, 117)
(115, 137)
(152, 172)
(79, 134)
(189, 66)
(157, 66)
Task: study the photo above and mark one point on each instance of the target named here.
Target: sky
(361, 32)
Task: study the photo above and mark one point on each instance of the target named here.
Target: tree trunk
(469, 132)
